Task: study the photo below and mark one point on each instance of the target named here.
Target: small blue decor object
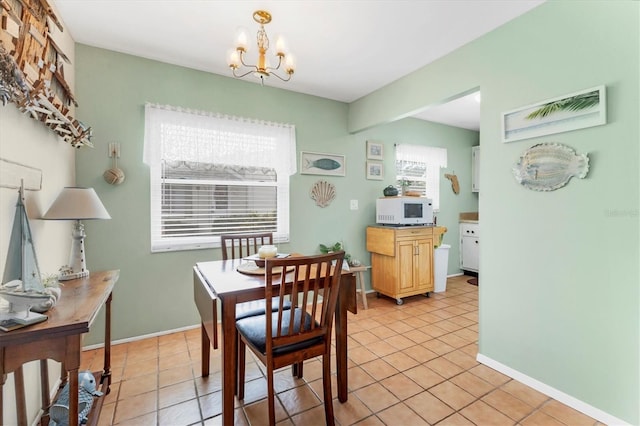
(59, 411)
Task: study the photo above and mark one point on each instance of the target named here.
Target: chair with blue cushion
(290, 336)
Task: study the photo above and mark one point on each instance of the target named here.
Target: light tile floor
(412, 364)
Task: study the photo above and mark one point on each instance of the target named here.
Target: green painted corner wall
(155, 290)
(560, 284)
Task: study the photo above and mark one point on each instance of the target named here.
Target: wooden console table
(59, 338)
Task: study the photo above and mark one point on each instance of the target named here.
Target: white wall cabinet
(469, 246)
(475, 169)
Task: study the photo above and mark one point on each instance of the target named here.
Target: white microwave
(404, 211)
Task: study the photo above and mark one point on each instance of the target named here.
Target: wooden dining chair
(237, 246)
(290, 336)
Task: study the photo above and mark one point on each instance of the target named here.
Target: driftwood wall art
(32, 69)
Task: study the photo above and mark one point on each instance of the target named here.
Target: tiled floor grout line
(453, 313)
(476, 398)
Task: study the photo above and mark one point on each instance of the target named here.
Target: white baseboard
(145, 336)
(556, 394)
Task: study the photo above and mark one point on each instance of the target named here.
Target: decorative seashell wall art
(549, 166)
(323, 193)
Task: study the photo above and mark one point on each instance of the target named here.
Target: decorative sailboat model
(21, 285)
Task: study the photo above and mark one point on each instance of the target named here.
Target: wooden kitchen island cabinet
(402, 259)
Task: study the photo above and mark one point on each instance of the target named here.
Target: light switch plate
(354, 204)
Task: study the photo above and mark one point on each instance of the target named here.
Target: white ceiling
(344, 49)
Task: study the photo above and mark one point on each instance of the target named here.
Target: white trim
(554, 393)
(144, 336)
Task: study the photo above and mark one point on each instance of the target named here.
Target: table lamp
(75, 203)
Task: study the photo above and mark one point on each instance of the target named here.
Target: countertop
(469, 217)
(393, 226)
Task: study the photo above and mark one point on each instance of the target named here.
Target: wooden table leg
(63, 374)
(44, 385)
(362, 291)
(341, 337)
(106, 372)
(229, 360)
(3, 379)
(73, 402)
(72, 363)
(21, 407)
(205, 351)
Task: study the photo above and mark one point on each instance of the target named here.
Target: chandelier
(262, 68)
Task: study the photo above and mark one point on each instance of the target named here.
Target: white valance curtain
(432, 156)
(179, 134)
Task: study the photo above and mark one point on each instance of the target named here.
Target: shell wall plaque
(323, 193)
(549, 166)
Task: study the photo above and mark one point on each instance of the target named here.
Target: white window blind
(213, 174)
(420, 165)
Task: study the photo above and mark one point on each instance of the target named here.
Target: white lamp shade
(77, 203)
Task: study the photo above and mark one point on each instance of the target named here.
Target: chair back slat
(237, 246)
(312, 283)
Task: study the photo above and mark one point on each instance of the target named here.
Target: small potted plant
(404, 183)
(336, 247)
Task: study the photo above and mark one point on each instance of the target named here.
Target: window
(212, 174)
(420, 166)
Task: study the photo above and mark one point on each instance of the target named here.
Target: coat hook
(114, 150)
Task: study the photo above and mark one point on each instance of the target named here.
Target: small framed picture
(374, 150)
(316, 163)
(375, 170)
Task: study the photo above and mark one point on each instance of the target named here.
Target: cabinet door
(423, 265)
(470, 249)
(405, 253)
(475, 169)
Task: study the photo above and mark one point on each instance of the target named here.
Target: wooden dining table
(220, 279)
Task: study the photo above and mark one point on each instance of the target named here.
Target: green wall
(559, 299)
(155, 293)
(559, 292)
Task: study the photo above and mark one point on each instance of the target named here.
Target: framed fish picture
(315, 163)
